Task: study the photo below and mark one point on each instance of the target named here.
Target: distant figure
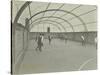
(83, 40)
(39, 43)
(42, 39)
(49, 38)
(95, 40)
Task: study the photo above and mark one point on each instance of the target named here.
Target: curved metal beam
(57, 18)
(53, 22)
(28, 2)
(85, 27)
(21, 11)
(50, 24)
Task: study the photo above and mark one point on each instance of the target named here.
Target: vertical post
(12, 41)
(23, 38)
(13, 46)
(27, 27)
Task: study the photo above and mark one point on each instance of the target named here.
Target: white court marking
(86, 62)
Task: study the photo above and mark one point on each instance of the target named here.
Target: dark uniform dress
(39, 43)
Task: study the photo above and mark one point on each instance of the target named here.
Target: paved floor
(57, 57)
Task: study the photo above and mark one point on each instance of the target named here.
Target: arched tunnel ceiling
(71, 23)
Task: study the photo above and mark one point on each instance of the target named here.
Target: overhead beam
(55, 25)
(21, 11)
(85, 27)
(57, 18)
(58, 23)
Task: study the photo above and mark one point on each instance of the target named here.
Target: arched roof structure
(70, 17)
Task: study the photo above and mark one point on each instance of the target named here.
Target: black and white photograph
(53, 37)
